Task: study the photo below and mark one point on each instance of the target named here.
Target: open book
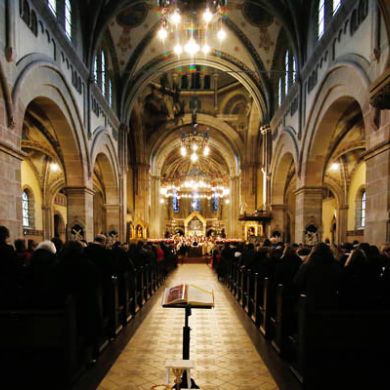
(188, 294)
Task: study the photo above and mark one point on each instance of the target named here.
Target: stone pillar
(266, 154)
(378, 196)
(142, 192)
(113, 217)
(123, 168)
(342, 224)
(308, 211)
(155, 209)
(248, 187)
(278, 221)
(80, 210)
(377, 157)
(233, 209)
(47, 223)
(10, 190)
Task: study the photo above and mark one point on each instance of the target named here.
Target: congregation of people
(351, 275)
(44, 275)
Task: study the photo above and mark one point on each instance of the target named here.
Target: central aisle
(224, 355)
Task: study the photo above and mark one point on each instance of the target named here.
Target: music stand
(186, 337)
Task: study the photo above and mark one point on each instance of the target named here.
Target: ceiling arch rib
(159, 66)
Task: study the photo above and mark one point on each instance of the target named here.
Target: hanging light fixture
(191, 32)
(195, 185)
(194, 144)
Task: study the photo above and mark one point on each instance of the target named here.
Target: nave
(224, 355)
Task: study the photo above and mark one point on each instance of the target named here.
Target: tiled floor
(224, 356)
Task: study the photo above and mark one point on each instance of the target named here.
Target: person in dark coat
(79, 277)
(8, 269)
(319, 278)
(42, 279)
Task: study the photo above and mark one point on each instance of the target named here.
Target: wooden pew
(47, 338)
(261, 305)
(342, 348)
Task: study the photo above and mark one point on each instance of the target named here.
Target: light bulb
(221, 35)
(162, 201)
(194, 157)
(227, 201)
(206, 151)
(183, 151)
(335, 166)
(194, 147)
(178, 49)
(207, 15)
(54, 167)
(162, 33)
(175, 18)
(191, 47)
(206, 49)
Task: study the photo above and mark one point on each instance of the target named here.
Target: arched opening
(106, 216)
(283, 187)
(48, 167)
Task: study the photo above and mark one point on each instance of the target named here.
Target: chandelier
(195, 185)
(196, 29)
(193, 143)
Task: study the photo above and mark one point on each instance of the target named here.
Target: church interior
(242, 145)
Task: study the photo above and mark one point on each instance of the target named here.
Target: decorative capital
(265, 129)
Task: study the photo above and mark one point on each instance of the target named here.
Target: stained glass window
(26, 208)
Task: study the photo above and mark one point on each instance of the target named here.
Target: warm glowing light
(206, 151)
(194, 157)
(162, 201)
(178, 49)
(227, 201)
(175, 18)
(162, 33)
(206, 49)
(54, 167)
(207, 15)
(194, 147)
(221, 35)
(335, 166)
(191, 47)
(183, 151)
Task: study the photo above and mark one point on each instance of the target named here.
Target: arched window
(321, 18)
(294, 70)
(336, 5)
(280, 91)
(95, 69)
(26, 209)
(53, 6)
(287, 74)
(109, 97)
(68, 19)
(361, 209)
(103, 73)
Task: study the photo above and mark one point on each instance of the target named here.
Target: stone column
(248, 187)
(47, 223)
(113, 212)
(80, 210)
(278, 221)
(378, 196)
(308, 211)
(142, 193)
(155, 209)
(266, 150)
(377, 157)
(233, 209)
(10, 189)
(342, 224)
